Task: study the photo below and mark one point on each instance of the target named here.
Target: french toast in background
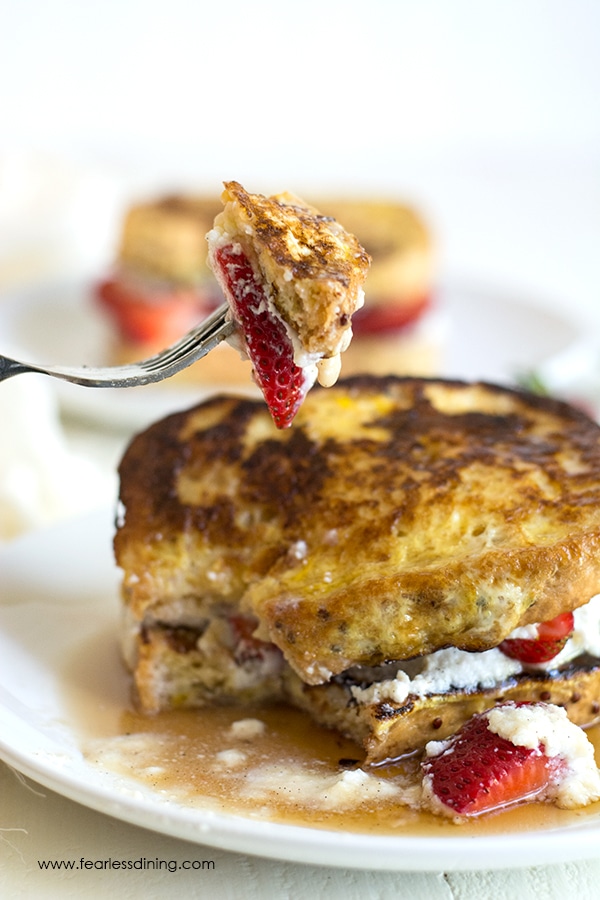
(161, 285)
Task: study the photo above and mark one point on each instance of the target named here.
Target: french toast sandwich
(368, 564)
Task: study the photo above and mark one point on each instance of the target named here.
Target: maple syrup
(278, 765)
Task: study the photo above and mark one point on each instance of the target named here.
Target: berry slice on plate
(293, 279)
(477, 770)
(550, 639)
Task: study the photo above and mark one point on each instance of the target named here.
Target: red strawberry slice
(479, 771)
(388, 317)
(153, 317)
(551, 638)
(283, 383)
(247, 646)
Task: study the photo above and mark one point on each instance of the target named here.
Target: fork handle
(10, 367)
(192, 347)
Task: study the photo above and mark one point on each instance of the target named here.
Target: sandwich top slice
(293, 279)
(398, 517)
(164, 240)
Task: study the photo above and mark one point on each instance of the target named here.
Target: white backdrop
(486, 114)
(319, 88)
(458, 105)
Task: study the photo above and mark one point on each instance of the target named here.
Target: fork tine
(207, 335)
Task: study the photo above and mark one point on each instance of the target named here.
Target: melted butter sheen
(278, 765)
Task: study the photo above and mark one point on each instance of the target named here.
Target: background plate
(492, 334)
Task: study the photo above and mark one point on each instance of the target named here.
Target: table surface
(37, 824)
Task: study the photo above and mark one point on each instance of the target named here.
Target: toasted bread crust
(396, 517)
(312, 268)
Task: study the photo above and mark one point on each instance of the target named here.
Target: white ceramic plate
(492, 334)
(58, 601)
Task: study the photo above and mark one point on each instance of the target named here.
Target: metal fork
(193, 346)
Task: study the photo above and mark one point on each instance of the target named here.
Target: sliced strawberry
(388, 317)
(153, 317)
(283, 383)
(479, 771)
(551, 638)
(247, 646)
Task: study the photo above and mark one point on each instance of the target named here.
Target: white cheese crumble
(442, 671)
(321, 791)
(459, 669)
(548, 726)
(318, 672)
(299, 550)
(247, 729)
(231, 759)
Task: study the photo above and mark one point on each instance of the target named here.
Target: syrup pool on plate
(270, 762)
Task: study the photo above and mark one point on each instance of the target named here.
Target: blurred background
(485, 114)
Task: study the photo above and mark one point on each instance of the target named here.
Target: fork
(193, 346)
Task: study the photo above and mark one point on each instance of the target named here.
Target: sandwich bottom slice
(368, 564)
(219, 662)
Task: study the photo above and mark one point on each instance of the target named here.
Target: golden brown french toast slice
(397, 517)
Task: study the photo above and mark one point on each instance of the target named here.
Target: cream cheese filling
(450, 668)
